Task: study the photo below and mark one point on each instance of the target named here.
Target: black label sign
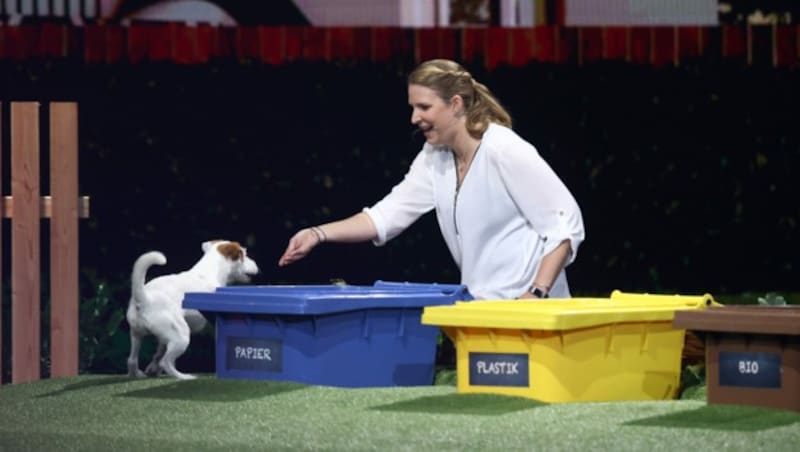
(498, 369)
(753, 370)
(247, 353)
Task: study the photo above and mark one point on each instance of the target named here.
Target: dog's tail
(140, 272)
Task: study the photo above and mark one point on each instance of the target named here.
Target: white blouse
(511, 210)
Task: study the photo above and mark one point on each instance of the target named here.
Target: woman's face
(437, 119)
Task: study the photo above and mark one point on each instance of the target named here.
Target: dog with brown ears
(156, 308)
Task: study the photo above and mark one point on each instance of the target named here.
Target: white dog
(156, 307)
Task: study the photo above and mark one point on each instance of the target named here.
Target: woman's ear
(457, 103)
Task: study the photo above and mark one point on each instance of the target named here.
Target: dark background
(686, 176)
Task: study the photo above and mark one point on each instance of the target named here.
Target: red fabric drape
(787, 45)
(544, 48)
(592, 46)
(734, 44)
(640, 44)
(689, 43)
(433, 43)
(272, 44)
(663, 51)
(521, 46)
(473, 44)
(617, 40)
(183, 44)
(496, 47)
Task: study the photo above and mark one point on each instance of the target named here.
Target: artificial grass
(95, 412)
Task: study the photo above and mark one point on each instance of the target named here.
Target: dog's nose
(250, 267)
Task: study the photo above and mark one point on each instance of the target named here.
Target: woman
(508, 220)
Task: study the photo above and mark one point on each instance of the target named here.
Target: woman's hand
(358, 228)
(299, 246)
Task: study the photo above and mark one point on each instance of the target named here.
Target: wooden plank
(1, 248)
(45, 207)
(25, 269)
(64, 239)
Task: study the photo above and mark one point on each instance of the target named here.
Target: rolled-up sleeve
(542, 197)
(408, 200)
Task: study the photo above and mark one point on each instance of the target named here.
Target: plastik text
(497, 367)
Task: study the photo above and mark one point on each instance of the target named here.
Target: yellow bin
(568, 350)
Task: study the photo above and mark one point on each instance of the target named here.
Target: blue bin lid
(293, 300)
(458, 291)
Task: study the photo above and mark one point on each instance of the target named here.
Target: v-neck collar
(460, 183)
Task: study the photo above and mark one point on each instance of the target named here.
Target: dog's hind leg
(154, 369)
(174, 350)
(133, 358)
(176, 345)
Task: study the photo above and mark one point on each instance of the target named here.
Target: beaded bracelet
(321, 237)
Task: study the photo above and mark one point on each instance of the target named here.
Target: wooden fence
(25, 208)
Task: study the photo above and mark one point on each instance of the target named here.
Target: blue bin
(348, 336)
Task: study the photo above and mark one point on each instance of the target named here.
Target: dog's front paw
(136, 374)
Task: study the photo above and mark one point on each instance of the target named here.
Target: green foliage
(103, 342)
(772, 299)
(5, 318)
(44, 328)
(693, 381)
(446, 377)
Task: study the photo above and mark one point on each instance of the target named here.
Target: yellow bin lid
(563, 314)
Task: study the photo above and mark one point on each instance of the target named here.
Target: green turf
(105, 413)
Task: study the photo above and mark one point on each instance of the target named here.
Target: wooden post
(64, 239)
(1, 246)
(25, 242)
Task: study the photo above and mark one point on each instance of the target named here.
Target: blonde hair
(448, 78)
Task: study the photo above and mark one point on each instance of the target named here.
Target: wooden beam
(25, 259)
(64, 291)
(45, 206)
(1, 249)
